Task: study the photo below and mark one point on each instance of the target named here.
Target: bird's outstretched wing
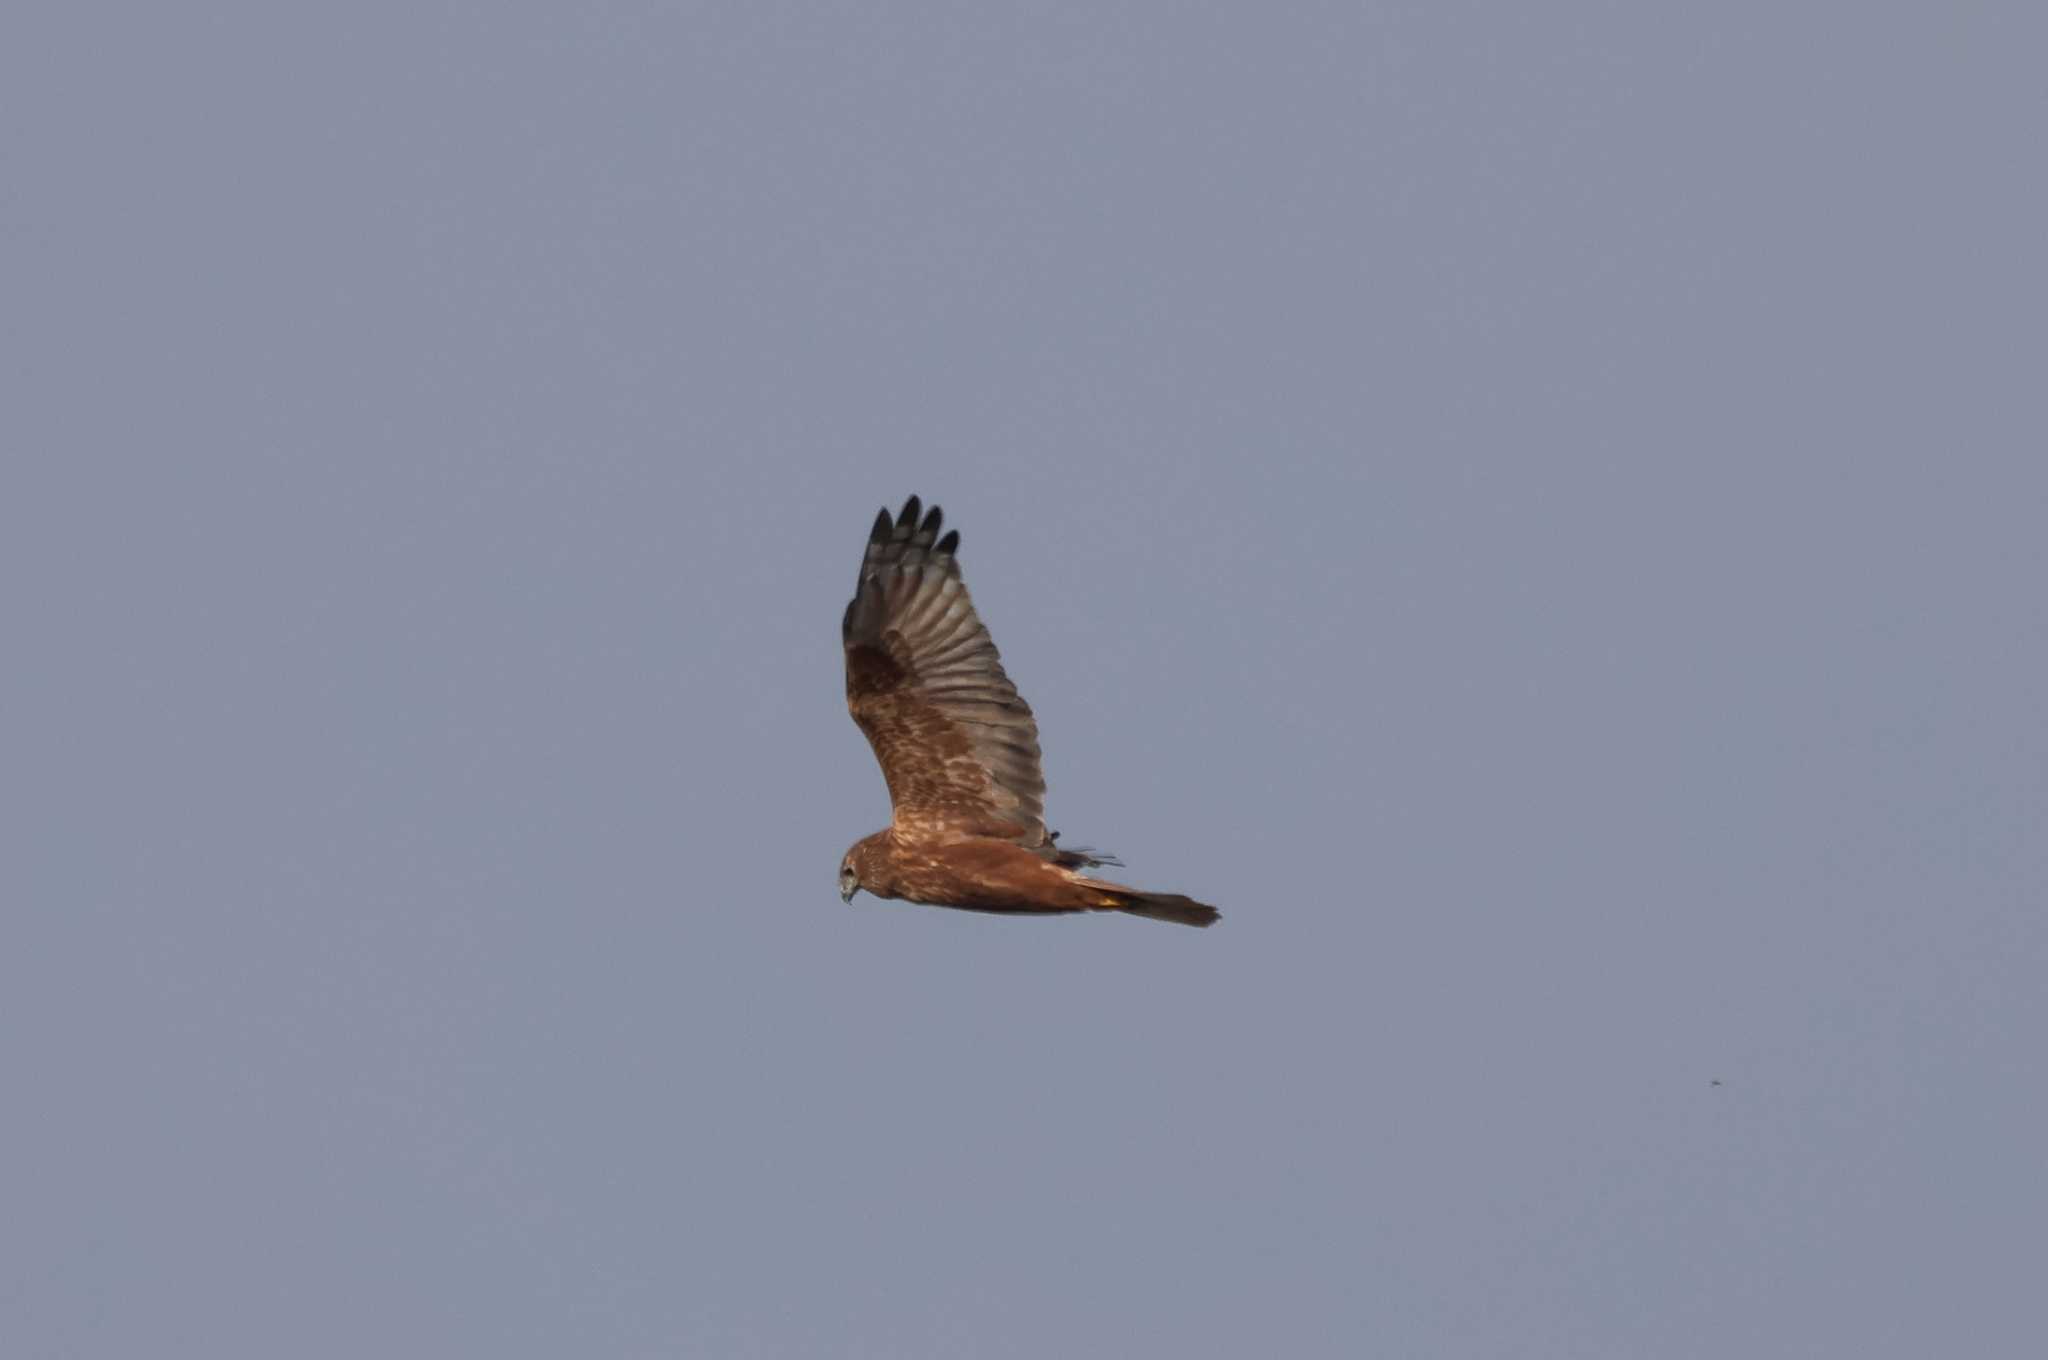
(923, 679)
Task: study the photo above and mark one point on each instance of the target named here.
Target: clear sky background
(1536, 511)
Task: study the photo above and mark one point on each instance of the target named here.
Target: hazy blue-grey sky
(1537, 511)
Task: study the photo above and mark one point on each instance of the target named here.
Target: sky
(1535, 511)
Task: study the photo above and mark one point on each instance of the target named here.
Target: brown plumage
(958, 747)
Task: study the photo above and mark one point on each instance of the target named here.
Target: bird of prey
(958, 747)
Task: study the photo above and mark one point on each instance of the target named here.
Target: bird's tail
(1173, 907)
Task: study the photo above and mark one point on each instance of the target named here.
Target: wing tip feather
(912, 528)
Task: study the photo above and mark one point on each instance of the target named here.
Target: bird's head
(865, 868)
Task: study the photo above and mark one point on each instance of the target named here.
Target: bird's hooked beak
(846, 894)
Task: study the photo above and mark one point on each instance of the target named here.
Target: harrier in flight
(958, 747)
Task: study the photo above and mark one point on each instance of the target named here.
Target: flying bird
(958, 747)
